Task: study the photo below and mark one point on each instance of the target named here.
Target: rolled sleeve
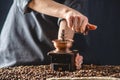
(23, 5)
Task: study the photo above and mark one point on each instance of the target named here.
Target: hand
(78, 61)
(78, 22)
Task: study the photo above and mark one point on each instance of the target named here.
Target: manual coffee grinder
(62, 58)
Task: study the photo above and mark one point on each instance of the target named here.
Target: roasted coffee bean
(44, 71)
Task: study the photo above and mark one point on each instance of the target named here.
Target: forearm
(49, 7)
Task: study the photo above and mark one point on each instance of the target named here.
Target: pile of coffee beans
(44, 71)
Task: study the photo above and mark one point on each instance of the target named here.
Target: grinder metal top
(62, 45)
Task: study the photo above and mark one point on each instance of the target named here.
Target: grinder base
(63, 61)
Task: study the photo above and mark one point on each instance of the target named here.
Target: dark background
(4, 8)
(105, 41)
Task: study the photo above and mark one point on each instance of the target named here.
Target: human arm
(75, 20)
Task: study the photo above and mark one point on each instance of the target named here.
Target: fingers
(83, 25)
(78, 61)
(79, 23)
(70, 22)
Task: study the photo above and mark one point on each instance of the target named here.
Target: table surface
(45, 71)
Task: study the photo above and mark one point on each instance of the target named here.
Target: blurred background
(105, 41)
